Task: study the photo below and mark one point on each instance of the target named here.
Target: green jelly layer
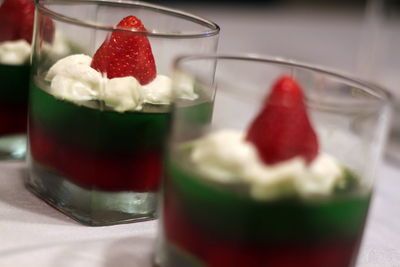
(14, 84)
(220, 211)
(103, 130)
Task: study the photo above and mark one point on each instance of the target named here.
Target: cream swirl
(73, 79)
(226, 157)
(15, 52)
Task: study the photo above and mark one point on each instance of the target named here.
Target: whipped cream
(183, 86)
(15, 52)
(59, 48)
(73, 79)
(123, 94)
(158, 91)
(226, 157)
(18, 52)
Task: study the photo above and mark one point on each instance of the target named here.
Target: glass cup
(15, 50)
(96, 140)
(224, 205)
(380, 61)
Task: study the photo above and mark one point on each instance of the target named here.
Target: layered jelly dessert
(267, 196)
(16, 34)
(101, 123)
(16, 25)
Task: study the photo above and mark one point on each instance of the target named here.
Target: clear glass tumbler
(283, 174)
(100, 104)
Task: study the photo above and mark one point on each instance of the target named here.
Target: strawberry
(26, 26)
(27, 15)
(17, 18)
(282, 129)
(9, 20)
(125, 54)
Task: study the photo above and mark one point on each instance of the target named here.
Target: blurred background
(361, 37)
(318, 31)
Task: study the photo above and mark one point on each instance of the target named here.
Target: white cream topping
(18, 52)
(183, 86)
(15, 52)
(73, 79)
(60, 47)
(123, 94)
(225, 156)
(158, 91)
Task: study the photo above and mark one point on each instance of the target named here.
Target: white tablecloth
(34, 234)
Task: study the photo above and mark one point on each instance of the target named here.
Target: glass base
(13, 147)
(90, 206)
(168, 255)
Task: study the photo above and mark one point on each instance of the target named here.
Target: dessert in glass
(16, 27)
(98, 119)
(283, 174)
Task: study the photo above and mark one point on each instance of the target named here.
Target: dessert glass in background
(98, 118)
(275, 179)
(379, 59)
(16, 27)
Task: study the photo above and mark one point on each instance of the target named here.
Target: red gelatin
(13, 99)
(13, 119)
(137, 172)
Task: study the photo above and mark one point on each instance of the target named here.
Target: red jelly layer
(13, 119)
(216, 252)
(13, 98)
(139, 172)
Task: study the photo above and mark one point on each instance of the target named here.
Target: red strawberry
(125, 54)
(27, 15)
(26, 27)
(9, 20)
(282, 129)
(16, 21)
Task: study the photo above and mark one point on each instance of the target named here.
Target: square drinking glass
(90, 156)
(220, 207)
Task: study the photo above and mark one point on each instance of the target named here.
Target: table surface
(32, 233)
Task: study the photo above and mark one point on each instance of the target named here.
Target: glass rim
(214, 29)
(380, 93)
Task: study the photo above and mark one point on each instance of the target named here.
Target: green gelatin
(14, 84)
(95, 129)
(103, 130)
(221, 211)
